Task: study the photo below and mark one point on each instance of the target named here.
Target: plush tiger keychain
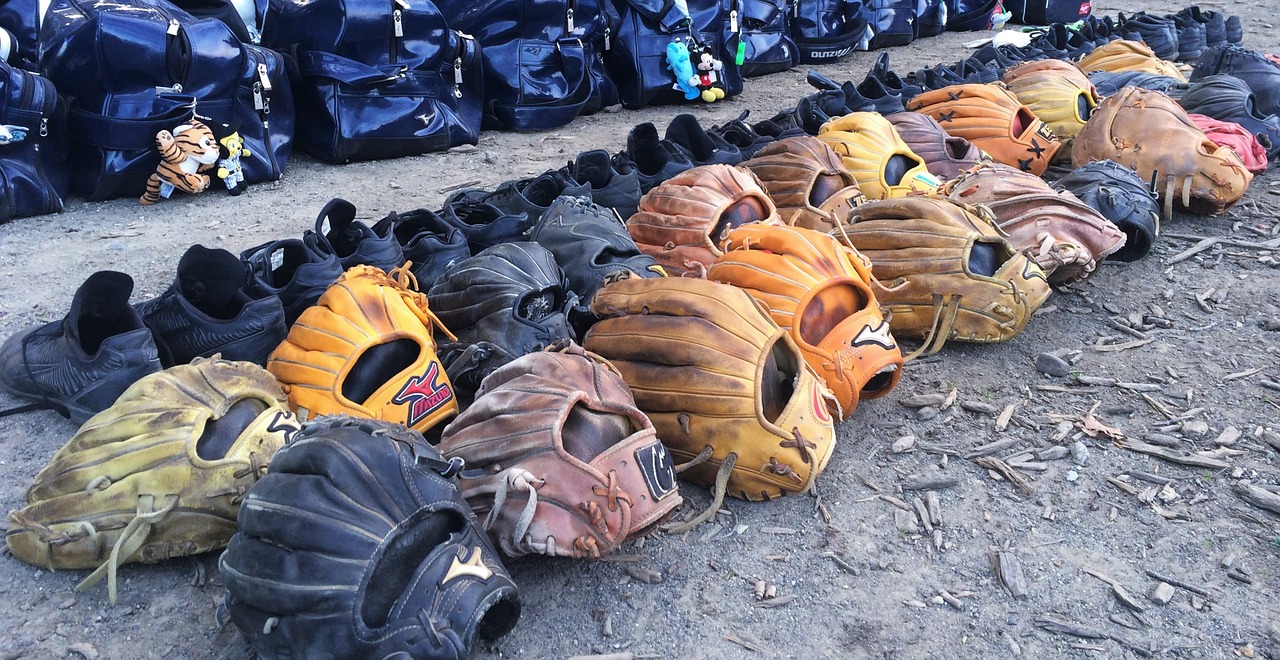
(185, 153)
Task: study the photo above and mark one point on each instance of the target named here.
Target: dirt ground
(854, 572)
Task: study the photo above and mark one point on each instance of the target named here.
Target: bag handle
(126, 133)
(341, 69)
(553, 114)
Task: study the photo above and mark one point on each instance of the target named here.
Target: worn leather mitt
(367, 348)
(683, 220)
(565, 463)
(727, 389)
(1152, 135)
(807, 181)
(1063, 235)
(1060, 68)
(945, 155)
(882, 163)
(1062, 102)
(944, 271)
(1235, 137)
(1119, 195)
(1227, 98)
(994, 120)
(819, 290)
(359, 545)
(159, 474)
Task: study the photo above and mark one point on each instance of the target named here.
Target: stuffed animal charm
(229, 169)
(708, 79)
(184, 154)
(679, 64)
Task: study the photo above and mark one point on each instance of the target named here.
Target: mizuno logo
(424, 395)
(878, 335)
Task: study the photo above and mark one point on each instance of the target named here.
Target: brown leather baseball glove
(807, 182)
(726, 388)
(944, 271)
(683, 220)
(1063, 102)
(819, 290)
(944, 154)
(1149, 133)
(882, 163)
(561, 461)
(1063, 235)
(1060, 68)
(992, 118)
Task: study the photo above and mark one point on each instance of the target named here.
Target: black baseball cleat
(654, 159)
(1259, 73)
(704, 148)
(483, 224)
(210, 310)
(354, 242)
(81, 364)
(296, 270)
(430, 243)
(615, 184)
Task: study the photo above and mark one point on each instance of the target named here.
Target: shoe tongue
(102, 296)
(210, 279)
(594, 168)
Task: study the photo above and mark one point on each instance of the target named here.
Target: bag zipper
(568, 17)
(177, 40)
(398, 8)
(262, 103)
(46, 103)
(464, 45)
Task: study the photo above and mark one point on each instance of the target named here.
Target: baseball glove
(994, 120)
(1227, 98)
(944, 271)
(1150, 134)
(945, 155)
(1128, 55)
(807, 182)
(159, 474)
(566, 464)
(683, 220)
(592, 246)
(1119, 195)
(367, 348)
(1062, 234)
(1110, 82)
(819, 290)
(882, 163)
(359, 545)
(727, 389)
(1234, 136)
(512, 297)
(1060, 68)
(1062, 103)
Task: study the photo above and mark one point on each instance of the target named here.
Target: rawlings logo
(423, 394)
(1086, 8)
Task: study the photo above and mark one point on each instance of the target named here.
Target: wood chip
(1181, 458)
(1002, 422)
(1020, 482)
(922, 514)
(901, 504)
(1009, 571)
(1059, 625)
(923, 400)
(934, 506)
(1259, 497)
(642, 574)
(950, 599)
(776, 602)
(1128, 488)
(782, 531)
(1112, 348)
(85, 649)
(991, 448)
(744, 643)
(978, 407)
(951, 398)
(1242, 374)
(1182, 584)
(935, 479)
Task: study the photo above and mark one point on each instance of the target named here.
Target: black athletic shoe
(704, 148)
(430, 243)
(1191, 37)
(891, 81)
(483, 224)
(81, 364)
(1159, 33)
(356, 243)
(528, 198)
(741, 135)
(613, 184)
(297, 271)
(1215, 25)
(816, 109)
(209, 310)
(1109, 83)
(655, 159)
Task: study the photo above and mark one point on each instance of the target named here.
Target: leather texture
(359, 545)
(819, 290)
(366, 310)
(138, 483)
(944, 155)
(923, 249)
(1235, 137)
(994, 120)
(807, 182)
(1061, 102)
(882, 163)
(377, 79)
(1119, 195)
(1063, 235)
(567, 465)
(1128, 55)
(1149, 133)
(682, 222)
(699, 357)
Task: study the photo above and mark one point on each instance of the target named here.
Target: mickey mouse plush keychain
(694, 64)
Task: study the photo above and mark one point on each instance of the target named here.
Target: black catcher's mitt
(1121, 196)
